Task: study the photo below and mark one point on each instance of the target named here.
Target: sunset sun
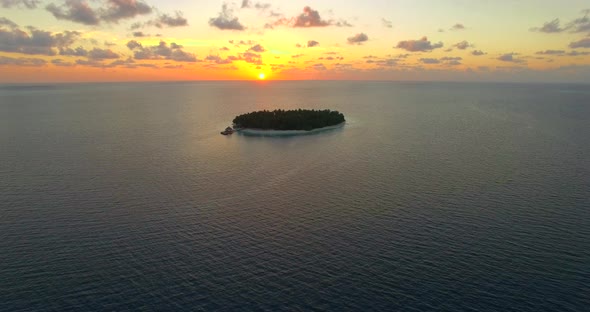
(261, 76)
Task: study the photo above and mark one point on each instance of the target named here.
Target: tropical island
(285, 120)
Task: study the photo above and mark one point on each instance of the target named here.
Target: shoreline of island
(272, 132)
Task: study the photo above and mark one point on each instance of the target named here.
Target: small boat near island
(227, 131)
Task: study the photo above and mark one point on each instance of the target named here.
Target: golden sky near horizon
(132, 40)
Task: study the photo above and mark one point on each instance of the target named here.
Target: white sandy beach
(261, 132)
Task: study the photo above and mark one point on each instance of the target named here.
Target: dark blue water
(434, 196)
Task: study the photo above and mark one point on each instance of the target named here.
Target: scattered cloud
(320, 67)
(251, 57)
(389, 62)
(164, 20)
(449, 61)
(583, 43)
(550, 27)
(509, 57)
(421, 45)
(28, 4)
(138, 25)
(310, 18)
(226, 20)
(429, 61)
(35, 41)
(79, 11)
(102, 54)
(6, 22)
(242, 42)
(386, 23)
(551, 52)
(562, 53)
(578, 25)
(61, 63)
(248, 4)
(332, 58)
(127, 63)
(130, 63)
(218, 60)
(160, 52)
(177, 20)
(91, 63)
(75, 11)
(576, 53)
(170, 66)
(117, 10)
(581, 24)
(358, 39)
(452, 60)
(312, 43)
(133, 45)
(33, 62)
(477, 52)
(463, 45)
(79, 51)
(458, 26)
(342, 23)
(257, 48)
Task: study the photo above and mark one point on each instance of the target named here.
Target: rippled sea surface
(433, 196)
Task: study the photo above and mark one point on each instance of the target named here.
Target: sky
(400, 40)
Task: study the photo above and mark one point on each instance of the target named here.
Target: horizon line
(295, 80)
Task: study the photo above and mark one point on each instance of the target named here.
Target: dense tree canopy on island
(279, 119)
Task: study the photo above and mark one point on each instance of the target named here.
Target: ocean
(432, 197)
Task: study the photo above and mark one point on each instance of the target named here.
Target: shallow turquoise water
(433, 196)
